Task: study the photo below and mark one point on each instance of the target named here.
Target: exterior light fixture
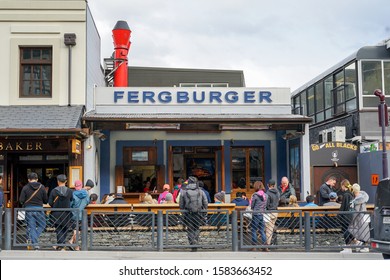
(163, 126)
(243, 127)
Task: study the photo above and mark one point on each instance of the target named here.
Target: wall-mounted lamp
(154, 141)
(100, 135)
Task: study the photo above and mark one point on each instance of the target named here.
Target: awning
(273, 121)
(40, 120)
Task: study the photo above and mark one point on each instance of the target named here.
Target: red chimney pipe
(121, 36)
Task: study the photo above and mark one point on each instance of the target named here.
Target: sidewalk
(140, 255)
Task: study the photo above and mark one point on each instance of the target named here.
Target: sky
(278, 43)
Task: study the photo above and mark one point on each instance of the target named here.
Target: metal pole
(8, 229)
(84, 231)
(234, 231)
(160, 228)
(384, 152)
(307, 232)
(382, 112)
(1, 231)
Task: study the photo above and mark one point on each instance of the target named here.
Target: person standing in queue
(194, 201)
(61, 197)
(34, 195)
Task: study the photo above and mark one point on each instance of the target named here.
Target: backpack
(194, 200)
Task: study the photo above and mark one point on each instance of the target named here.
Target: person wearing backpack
(193, 200)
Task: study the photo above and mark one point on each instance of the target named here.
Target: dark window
(247, 167)
(35, 72)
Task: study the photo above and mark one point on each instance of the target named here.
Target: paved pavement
(214, 255)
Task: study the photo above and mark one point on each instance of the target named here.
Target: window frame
(34, 63)
(247, 150)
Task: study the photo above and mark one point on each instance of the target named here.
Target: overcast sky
(277, 43)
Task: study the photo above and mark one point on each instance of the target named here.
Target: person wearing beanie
(80, 201)
(169, 199)
(89, 184)
(219, 197)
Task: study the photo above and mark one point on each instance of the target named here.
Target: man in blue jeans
(33, 195)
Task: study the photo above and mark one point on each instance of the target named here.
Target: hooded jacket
(273, 199)
(38, 199)
(80, 201)
(359, 203)
(259, 201)
(65, 196)
(346, 202)
(192, 198)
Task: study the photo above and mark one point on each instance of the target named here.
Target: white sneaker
(346, 251)
(364, 250)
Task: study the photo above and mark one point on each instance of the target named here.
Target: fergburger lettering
(21, 146)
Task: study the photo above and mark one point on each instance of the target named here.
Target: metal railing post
(1, 231)
(307, 232)
(7, 229)
(234, 231)
(84, 231)
(160, 228)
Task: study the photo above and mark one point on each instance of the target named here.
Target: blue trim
(105, 165)
(281, 156)
(228, 165)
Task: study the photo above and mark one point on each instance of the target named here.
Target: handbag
(248, 215)
(21, 215)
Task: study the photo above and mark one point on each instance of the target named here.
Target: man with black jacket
(33, 195)
(273, 198)
(61, 197)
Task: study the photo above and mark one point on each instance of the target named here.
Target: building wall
(164, 77)
(45, 22)
(95, 76)
(110, 159)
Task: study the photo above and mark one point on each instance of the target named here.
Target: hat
(192, 180)
(271, 182)
(333, 195)
(78, 185)
(89, 183)
(220, 196)
(169, 197)
(61, 178)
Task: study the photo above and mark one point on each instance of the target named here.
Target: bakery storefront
(47, 150)
(227, 137)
